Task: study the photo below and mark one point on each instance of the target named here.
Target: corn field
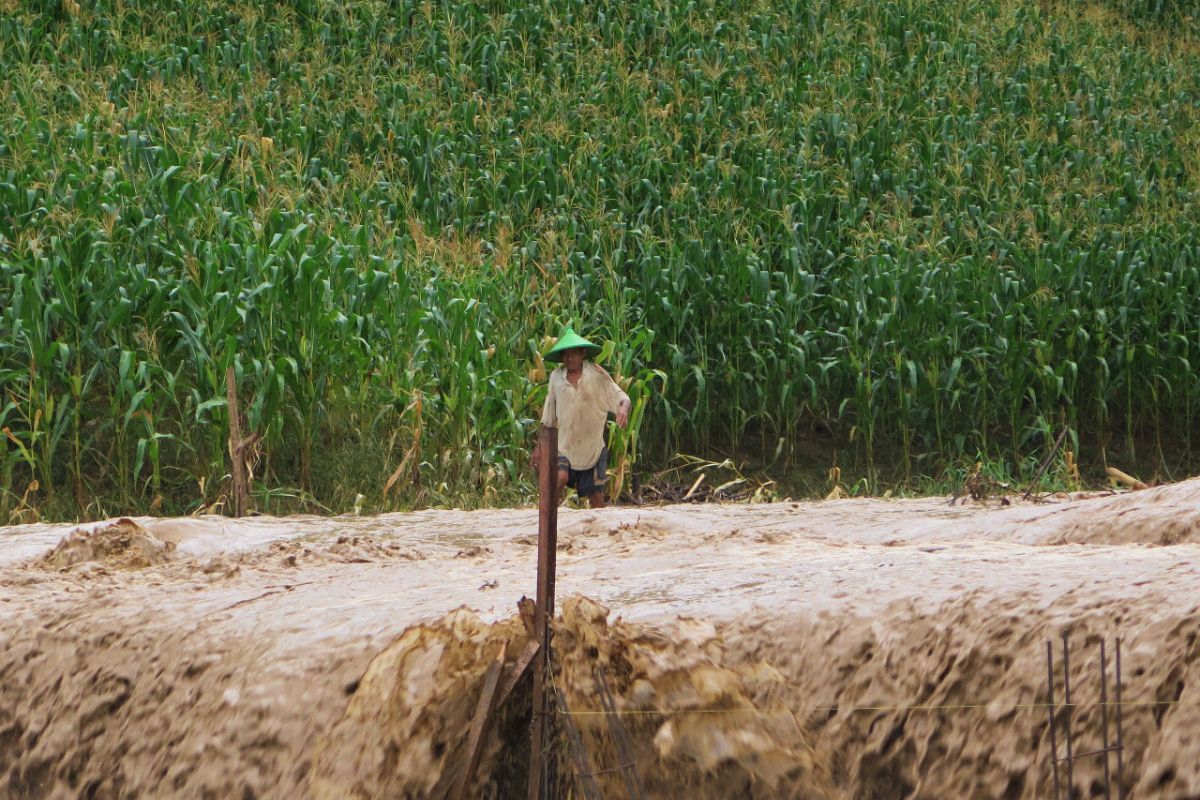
(924, 232)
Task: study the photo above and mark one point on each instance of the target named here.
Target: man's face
(573, 358)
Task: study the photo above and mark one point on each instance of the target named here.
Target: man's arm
(623, 407)
(618, 401)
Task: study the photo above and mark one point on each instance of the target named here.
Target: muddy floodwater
(845, 649)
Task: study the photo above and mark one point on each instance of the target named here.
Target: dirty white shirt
(580, 411)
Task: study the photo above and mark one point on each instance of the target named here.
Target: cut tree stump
(238, 446)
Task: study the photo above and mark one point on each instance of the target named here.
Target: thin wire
(850, 709)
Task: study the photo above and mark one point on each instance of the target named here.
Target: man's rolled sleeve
(616, 396)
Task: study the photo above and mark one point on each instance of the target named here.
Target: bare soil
(846, 649)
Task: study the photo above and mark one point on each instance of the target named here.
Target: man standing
(580, 398)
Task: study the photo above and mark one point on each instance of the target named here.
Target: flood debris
(1122, 478)
(406, 728)
(696, 720)
(697, 716)
(122, 544)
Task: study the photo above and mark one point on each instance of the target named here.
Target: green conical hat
(569, 340)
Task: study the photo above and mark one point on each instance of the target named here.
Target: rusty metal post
(585, 778)
(1120, 737)
(1067, 713)
(620, 738)
(1050, 706)
(1104, 719)
(543, 611)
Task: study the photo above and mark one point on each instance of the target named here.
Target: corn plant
(921, 233)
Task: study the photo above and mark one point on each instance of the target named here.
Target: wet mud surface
(854, 648)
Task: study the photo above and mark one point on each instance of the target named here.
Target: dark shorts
(586, 481)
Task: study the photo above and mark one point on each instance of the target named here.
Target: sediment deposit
(854, 648)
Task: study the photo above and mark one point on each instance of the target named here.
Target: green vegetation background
(894, 236)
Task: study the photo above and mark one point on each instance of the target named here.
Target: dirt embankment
(838, 650)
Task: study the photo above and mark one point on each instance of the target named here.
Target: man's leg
(596, 481)
(593, 486)
(563, 477)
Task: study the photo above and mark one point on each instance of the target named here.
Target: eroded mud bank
(847, 649)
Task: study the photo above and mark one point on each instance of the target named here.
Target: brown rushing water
(241, 666)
